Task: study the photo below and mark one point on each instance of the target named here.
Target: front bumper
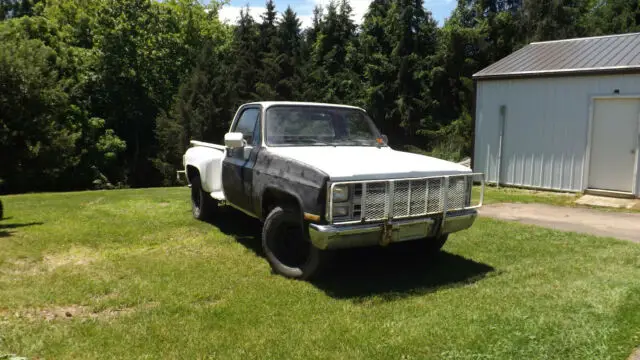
(360, 235)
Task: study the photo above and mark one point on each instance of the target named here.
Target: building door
(614, 143)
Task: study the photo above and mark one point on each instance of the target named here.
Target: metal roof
(614, 53)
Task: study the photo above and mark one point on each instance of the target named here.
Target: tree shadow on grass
(389, 273)
(4, 228)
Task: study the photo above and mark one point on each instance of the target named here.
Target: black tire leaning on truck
(203, 206)
(287, 246)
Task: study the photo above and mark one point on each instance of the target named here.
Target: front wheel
(435, 245)
(428, 246)
(287, 247)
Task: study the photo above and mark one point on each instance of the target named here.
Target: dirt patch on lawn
(635, 355)
(70, 312)
(74, 257)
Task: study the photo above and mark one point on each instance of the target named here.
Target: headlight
(340, 193)
(340, 211)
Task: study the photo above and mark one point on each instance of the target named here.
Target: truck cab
(321, 177)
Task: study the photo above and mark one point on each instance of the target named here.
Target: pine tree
(414, 33)
(332, 78)
(202, 111)
(246, 58)
(269, 71)
(290, 61)
(379, 72)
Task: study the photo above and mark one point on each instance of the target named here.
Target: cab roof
(267, 104)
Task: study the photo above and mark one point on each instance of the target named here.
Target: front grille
(375, 201)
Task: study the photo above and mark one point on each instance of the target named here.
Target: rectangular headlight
(340, 193)
(340, 210)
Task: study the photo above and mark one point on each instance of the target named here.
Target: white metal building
(562, 115)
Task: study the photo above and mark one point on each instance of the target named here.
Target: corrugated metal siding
(546, 128)
(572, 55)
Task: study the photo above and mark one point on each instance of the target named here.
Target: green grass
(142, 279)
(494, 195)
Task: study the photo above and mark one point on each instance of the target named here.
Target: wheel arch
(192, 172)
(273, 196)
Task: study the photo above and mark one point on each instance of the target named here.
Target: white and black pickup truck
(321, 177)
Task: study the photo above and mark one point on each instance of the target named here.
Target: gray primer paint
(303, 182)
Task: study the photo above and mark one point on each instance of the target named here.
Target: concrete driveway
(619, 225)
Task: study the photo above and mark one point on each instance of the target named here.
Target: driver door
(237, 167)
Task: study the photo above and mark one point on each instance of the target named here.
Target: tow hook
(387, 233)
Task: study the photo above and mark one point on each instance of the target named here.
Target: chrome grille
(404, 198)
(434, 202)
(401, 194)
(417, 198)
(457, 192)
(374, 201)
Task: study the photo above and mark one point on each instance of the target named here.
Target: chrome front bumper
(360, 235)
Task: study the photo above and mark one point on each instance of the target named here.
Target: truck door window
(249, 126)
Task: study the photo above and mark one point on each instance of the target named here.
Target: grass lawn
(493, 195)
(129, 274)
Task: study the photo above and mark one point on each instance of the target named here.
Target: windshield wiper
(352, 142)
(307, 141)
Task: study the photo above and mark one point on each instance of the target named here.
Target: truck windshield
(319, 125)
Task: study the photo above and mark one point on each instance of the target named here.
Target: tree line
(108, 93)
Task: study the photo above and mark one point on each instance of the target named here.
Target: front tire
(287, 247)
(203, 206)
(435, 245)
(429, 247)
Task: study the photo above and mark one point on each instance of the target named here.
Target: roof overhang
(635, 69)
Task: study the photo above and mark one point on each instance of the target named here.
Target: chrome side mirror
(234, 140)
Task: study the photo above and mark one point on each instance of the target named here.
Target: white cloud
(359, 8)
(231, 14)
(306, 20)
(304, 9)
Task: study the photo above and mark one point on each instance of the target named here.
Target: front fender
(304, 183)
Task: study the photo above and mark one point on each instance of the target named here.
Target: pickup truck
(321, 177)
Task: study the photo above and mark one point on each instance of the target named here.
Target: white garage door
(614, 139)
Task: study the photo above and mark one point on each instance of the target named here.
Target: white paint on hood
(345, 163)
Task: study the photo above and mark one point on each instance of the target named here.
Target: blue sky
(440, 9)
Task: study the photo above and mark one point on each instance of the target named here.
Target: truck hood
(346, 163)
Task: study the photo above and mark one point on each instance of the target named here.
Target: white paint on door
(614, 139)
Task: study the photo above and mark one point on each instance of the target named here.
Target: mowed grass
(494, 195)
(129, 274)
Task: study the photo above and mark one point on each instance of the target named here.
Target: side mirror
(234, 140)
(385, 138)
